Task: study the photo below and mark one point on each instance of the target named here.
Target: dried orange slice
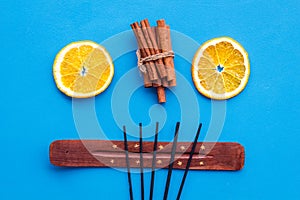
(220, 68)
(83, 69)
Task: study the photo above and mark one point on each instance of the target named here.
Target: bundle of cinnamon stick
(155, 56)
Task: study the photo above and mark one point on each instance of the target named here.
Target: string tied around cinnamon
(153, 57)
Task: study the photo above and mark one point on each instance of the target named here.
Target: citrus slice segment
(83, 69)
(220, 68)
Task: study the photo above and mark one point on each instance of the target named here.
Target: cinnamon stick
(143, 44)
(150, 51)
(146, 74)
(171, 74)
(150, 75)
(164, 39)
(153, 75)
(153, 47)
(147, 81)
(161, 95)
(145, 51)
(159, 72)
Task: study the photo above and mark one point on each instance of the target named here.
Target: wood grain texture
(105, 153)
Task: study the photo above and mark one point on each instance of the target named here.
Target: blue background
(264, 117)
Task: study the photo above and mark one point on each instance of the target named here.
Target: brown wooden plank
(105, 153)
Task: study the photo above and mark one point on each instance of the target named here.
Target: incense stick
(127, 163)
(141, 162)
(171, 162)
(189, 162)
(153, 162)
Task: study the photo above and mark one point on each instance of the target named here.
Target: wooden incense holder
(105, 153)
